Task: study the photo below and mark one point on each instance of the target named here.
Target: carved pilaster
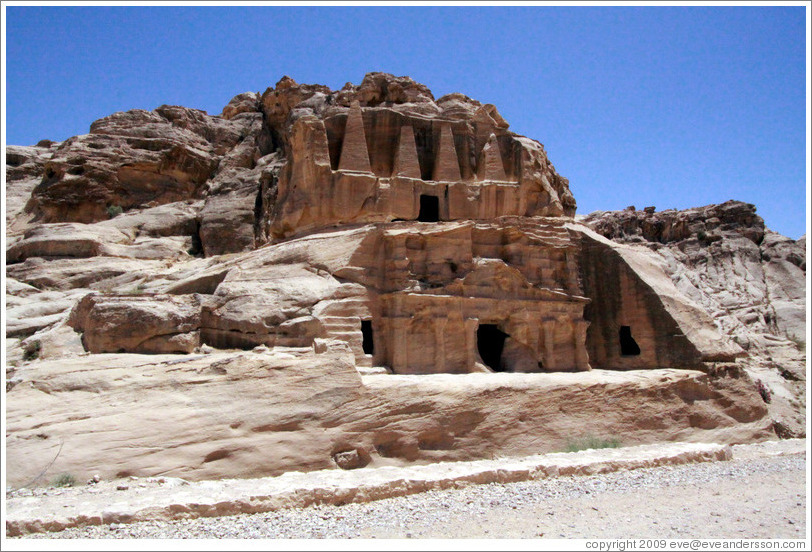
(439, 343)
(579, 336)
(400, 346)
(548, 339)
(572, 273)
(471, 325)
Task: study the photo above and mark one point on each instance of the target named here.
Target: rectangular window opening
(429, 209)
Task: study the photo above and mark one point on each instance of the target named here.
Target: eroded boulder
(138, 324)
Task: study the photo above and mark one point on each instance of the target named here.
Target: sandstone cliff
(286, 144)
(752, 281)
(387, 257)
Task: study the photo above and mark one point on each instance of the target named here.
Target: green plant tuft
(32, 350)
(591, 442)
(140, 289)
(114, 210)
(65, 480)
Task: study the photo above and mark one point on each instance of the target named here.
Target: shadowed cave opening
(490, 342)
(628, 346)
(429, 209)
(367, 343)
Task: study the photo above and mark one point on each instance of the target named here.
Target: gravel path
(749, 498)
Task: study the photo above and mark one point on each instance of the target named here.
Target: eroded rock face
(374, 230)
(300, 157)
(251, 414)
(270, 166)
(637, 316)
(133, 159)
(25, 166)
(176, 183)
(723, 257)
(750, 280)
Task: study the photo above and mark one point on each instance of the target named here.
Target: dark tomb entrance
(366, 331)
(429, 209)
(628, 346)
(490, 342)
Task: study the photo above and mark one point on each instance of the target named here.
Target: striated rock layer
(370, 230)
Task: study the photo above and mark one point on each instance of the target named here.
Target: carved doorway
(490, 341)
(628, 346)
(367, 343)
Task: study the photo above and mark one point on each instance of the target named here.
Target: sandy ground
(754, 495)
(746, 499)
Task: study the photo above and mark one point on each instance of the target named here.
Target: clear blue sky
(674, 107)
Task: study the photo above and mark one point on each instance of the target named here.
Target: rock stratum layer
(362, 277)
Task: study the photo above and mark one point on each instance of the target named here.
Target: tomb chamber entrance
(628, 346)
(367, 342)
(490, 342)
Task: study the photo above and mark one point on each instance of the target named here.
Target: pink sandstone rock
(354, 156)
(446, 164)
(370, 230)
(406, 163)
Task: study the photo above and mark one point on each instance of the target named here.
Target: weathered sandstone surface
(257, 414)
(344, 277)
(167, 498)
(751, 281)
